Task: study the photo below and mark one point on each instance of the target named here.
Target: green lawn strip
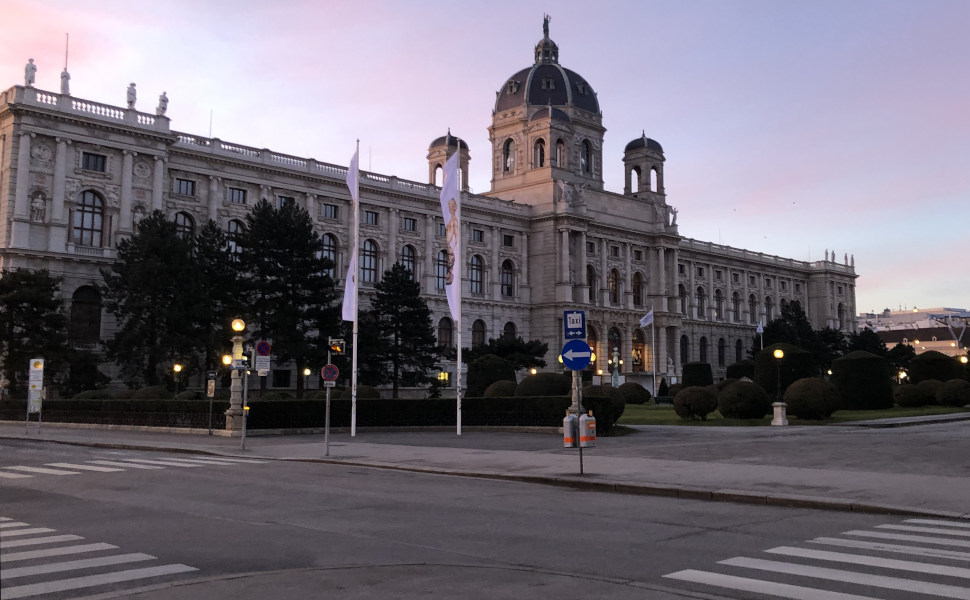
(649, 414)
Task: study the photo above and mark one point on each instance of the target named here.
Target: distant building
(940, 329)
(77, 175)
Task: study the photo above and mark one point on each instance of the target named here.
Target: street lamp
(178, 369)
(234, 416)
(780, 408)
(779, 354)
(306, 379)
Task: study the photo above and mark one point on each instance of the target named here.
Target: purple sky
(789, 127)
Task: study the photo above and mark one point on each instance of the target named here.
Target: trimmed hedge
(607, 405)
(696, 402)
(955, 392)
(697, 374)
(634, 393)
(740, 369)
(812, 398)
(486, 370)
(501, 389)
(934, 365)
(140, 413)
(863, 381)
(545, 384)
(911, 396)
(743, 400)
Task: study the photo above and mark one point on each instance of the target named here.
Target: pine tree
(521, 354)
(215, 291)
(32, 324)
(409, 348)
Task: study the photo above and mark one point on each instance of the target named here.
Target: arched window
(407, 259)
(476, 275)
(478, 333)
(592, 339)
(752, 309)
(586, 157)
(637, 289)
(769, 309)
(721, 351)
(560, 154)
(508, 156)
(738, 350)
(718, 305)
(368, 262)
(684, 350)
(702, 348)
(509, 332)
(329, 251)
(701, 303)
(635, 179)
(184, 225)
(234, 231)
(441, 270)
(613, 284)
(654, 180)
(682, 292)
(508, 279)
(539, 160)
(88, 223)
(85, 323)
(639, 350)
(591, 282)
(736, 306)
(445, 330)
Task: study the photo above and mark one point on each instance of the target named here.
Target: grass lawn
(648, 414)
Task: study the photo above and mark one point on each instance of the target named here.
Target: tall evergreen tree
(32, 324)
(409, 348)
(869, 341)
(521, 354)
(289, 296)
(215, 292)
(146, 290)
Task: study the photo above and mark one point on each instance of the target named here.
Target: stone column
(524, 243)
(628, 278)
(215, 197)
(21, 201)
(158, 183)
(125, 215)
(60, 180)
(604, 268)
(393, 223)
(662, 278)
(496, 266)
(564, 255)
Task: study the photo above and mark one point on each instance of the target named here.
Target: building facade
(940, 329)
(76, 176)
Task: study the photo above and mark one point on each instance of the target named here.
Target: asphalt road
(226, 529)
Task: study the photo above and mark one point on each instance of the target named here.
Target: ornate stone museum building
(77, 175)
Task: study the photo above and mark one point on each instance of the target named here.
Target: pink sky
(789, 127)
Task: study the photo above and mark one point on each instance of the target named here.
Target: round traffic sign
(576, 355)
(263, 348)
(329, 372)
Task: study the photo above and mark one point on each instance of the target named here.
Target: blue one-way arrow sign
(574, 324)
(576, 355)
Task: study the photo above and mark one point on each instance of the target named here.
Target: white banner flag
(451, 211)
(647, 319)
(350, 284)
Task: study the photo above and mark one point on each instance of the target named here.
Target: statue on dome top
(545, 25)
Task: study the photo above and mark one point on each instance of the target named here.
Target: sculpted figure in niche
(137, 215)
(30, 72)
(565, 194)
(38, 208)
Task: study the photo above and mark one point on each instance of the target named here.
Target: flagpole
(353, 372)
(653, 344)
(458, 264)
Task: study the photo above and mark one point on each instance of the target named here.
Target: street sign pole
(329, 374)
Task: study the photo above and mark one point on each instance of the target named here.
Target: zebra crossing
(918, 558)
(36, 564)
(116, 465)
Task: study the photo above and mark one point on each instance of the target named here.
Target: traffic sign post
(576, 356)
(329, 372)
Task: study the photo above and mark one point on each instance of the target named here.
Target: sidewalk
(918, 470)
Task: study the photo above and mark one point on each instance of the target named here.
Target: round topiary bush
(545, 384)
(911, 396)
(863, 381)
(812, 398)
(697, 374)
(500, 389)
(152, 392)
(955, 392)
(124, 394)
(933, 365)
(930, 387)
(743, 400)
(695, 402)
(634, 393)
(607, 405)
(484, 371)
(675, 389)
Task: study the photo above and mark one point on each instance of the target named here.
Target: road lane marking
(43, 471)
(898, 548)
(62, 551)
(73, 565)
(85, 467)
(6, 475)
(29, 531)
(744, 584)
(938, 522)
(127, 465)
(75, 583)
(11, 525)
(165, 463)
(902, 537)
(51, 539)
(873, 561)
(924, 530)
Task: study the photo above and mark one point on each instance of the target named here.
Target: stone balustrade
(80, 107)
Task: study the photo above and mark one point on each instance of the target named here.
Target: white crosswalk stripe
(95, 468)
(121, 464)
(42, 470)
(934, 572)
(47, 576)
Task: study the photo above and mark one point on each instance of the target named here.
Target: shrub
(152, 392)
(933, 365)
(930, 387)
(743, 400)
(364, 392)
(675, 389)
(663, 389)
(607, 405)
(697, 374)
(863, 381)
(812, 398)
(720, 385)
(695, 402)
(955, 392)
(189, 395)
(486, 370)
(742, 368)
(545, 384)
(125, 394)
(910, 396)
(634, 393)
(222, 394)
(281, 395)
(797, 364)
(91, 395)
(500, 389)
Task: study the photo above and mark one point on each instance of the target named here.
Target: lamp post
(234, 415)
(178, 371)
(306, 380)
(779, 406)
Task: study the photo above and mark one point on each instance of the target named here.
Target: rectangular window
(590, 248)
(508, 241)
(784, 285)
(282, 201)
(478, 235)
(681, 269)
(718, 275)
(840, 289)
(700, 271)
(370, 217)
(638, 255)
(736, 277)
(93, 162)
(237, 196)
(615, 251)
(330, 211)
(184, 187)
(409, 224)
(441, 229)
(767, 283)
(751, 280)
(798, 288)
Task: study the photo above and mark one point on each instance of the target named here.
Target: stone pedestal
(781, 413)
